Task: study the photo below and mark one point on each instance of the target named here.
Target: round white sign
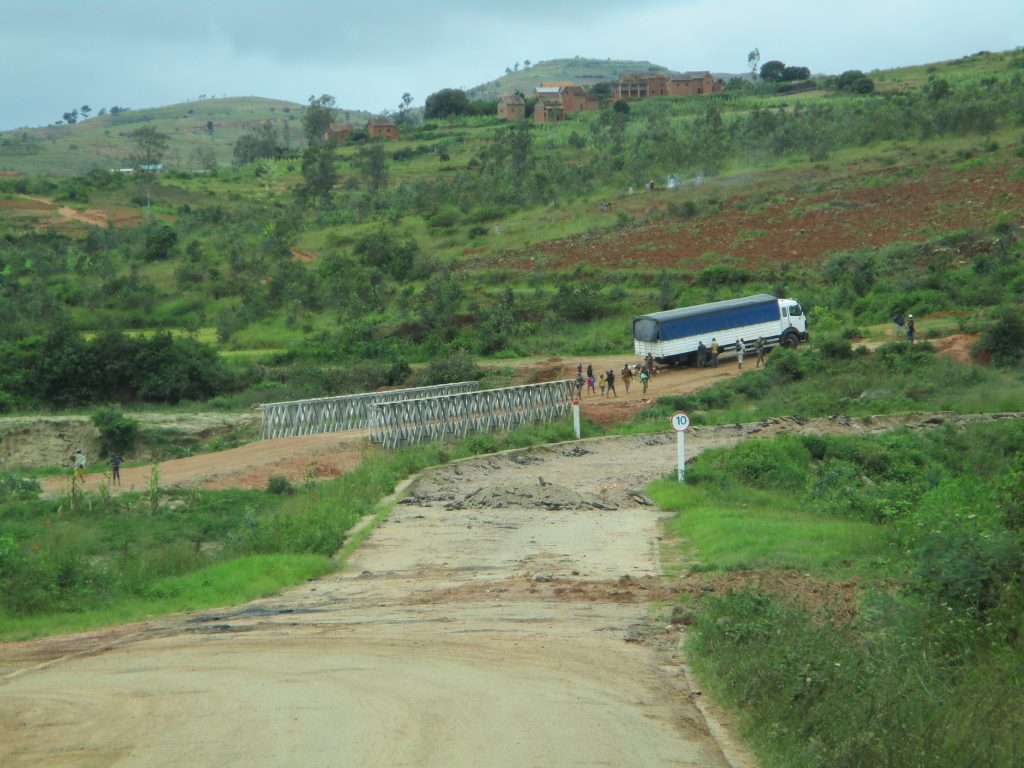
(680, 421)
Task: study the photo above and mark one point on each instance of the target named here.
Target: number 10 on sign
(680, 423)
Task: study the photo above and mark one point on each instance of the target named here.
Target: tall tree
(771, 71)
(754, 61)
(150, 145)
(317, 118)
(85, 109)
(373, 166)
(446, 103)
(318, 173)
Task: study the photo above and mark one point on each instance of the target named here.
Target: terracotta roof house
(384, 128)
(511, 106)
(337, 132)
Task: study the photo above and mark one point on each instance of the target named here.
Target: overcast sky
(59, 54)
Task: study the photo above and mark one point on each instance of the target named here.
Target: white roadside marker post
(576, 417)
(680, 423)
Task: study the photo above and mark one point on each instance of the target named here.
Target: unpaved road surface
(500, 617)
(247, 466)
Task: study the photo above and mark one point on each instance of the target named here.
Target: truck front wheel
(790, 340)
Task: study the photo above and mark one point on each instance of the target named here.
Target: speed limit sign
(680, 423)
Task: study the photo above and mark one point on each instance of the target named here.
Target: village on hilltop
(555, 101)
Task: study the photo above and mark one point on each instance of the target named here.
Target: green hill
(577, 70)
(480, 235)
(104, 142)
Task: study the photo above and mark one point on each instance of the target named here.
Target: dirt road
(493, 620)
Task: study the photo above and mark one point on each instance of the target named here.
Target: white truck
(672, 337)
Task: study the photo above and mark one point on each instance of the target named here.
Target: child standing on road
(760, 352)
(644, 378)
(741, 348)
(714, 353)
(603, 383)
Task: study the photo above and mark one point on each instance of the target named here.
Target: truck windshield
(795, 310)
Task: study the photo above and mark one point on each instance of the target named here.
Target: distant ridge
(576, 70)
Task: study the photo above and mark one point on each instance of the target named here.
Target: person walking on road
(645, 377)
(79, 466)
(603, 383)
(579, 384)
(627, 376)
(610, 378)
(115, 469)
(760, 352)
(741, 349)
(702, 354)
(714, 353)
(590, 381)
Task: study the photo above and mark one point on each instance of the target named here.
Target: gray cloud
(58, 53)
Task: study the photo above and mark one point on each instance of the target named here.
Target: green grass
(230, 583)
(724, 529)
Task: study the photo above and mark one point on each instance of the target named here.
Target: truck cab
(793, 322)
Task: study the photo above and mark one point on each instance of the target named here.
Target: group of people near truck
(606, 380)
(707, 356)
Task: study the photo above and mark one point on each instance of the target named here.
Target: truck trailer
(672, 337)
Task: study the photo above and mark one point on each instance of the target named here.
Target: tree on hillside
(855, 81)
(448, 102)
(318, 173)
(789, 74)
(404, 114)
(260, 143)
(526, 63)
(771, 71)
(84, 110)
(317, 118)
(373, 165)
(71, 117)
(753, 61)
(150, 145)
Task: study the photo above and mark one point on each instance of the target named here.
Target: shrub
(1003, 339)
(280, 485)
(780, 464)
(118, 432)
(835, 348)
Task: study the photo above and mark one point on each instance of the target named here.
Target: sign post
(680, 423)
(576, 417)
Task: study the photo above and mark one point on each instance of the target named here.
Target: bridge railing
(449, 417)
(335, 414)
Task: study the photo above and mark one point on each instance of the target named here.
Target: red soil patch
(958, 346)
(801, 230)
(301, 255)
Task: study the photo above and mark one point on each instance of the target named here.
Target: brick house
(556, 100)
(511, 106)
(640, 85)
(383, 128)
(644, 85)
(337, 133)
(694, 84)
